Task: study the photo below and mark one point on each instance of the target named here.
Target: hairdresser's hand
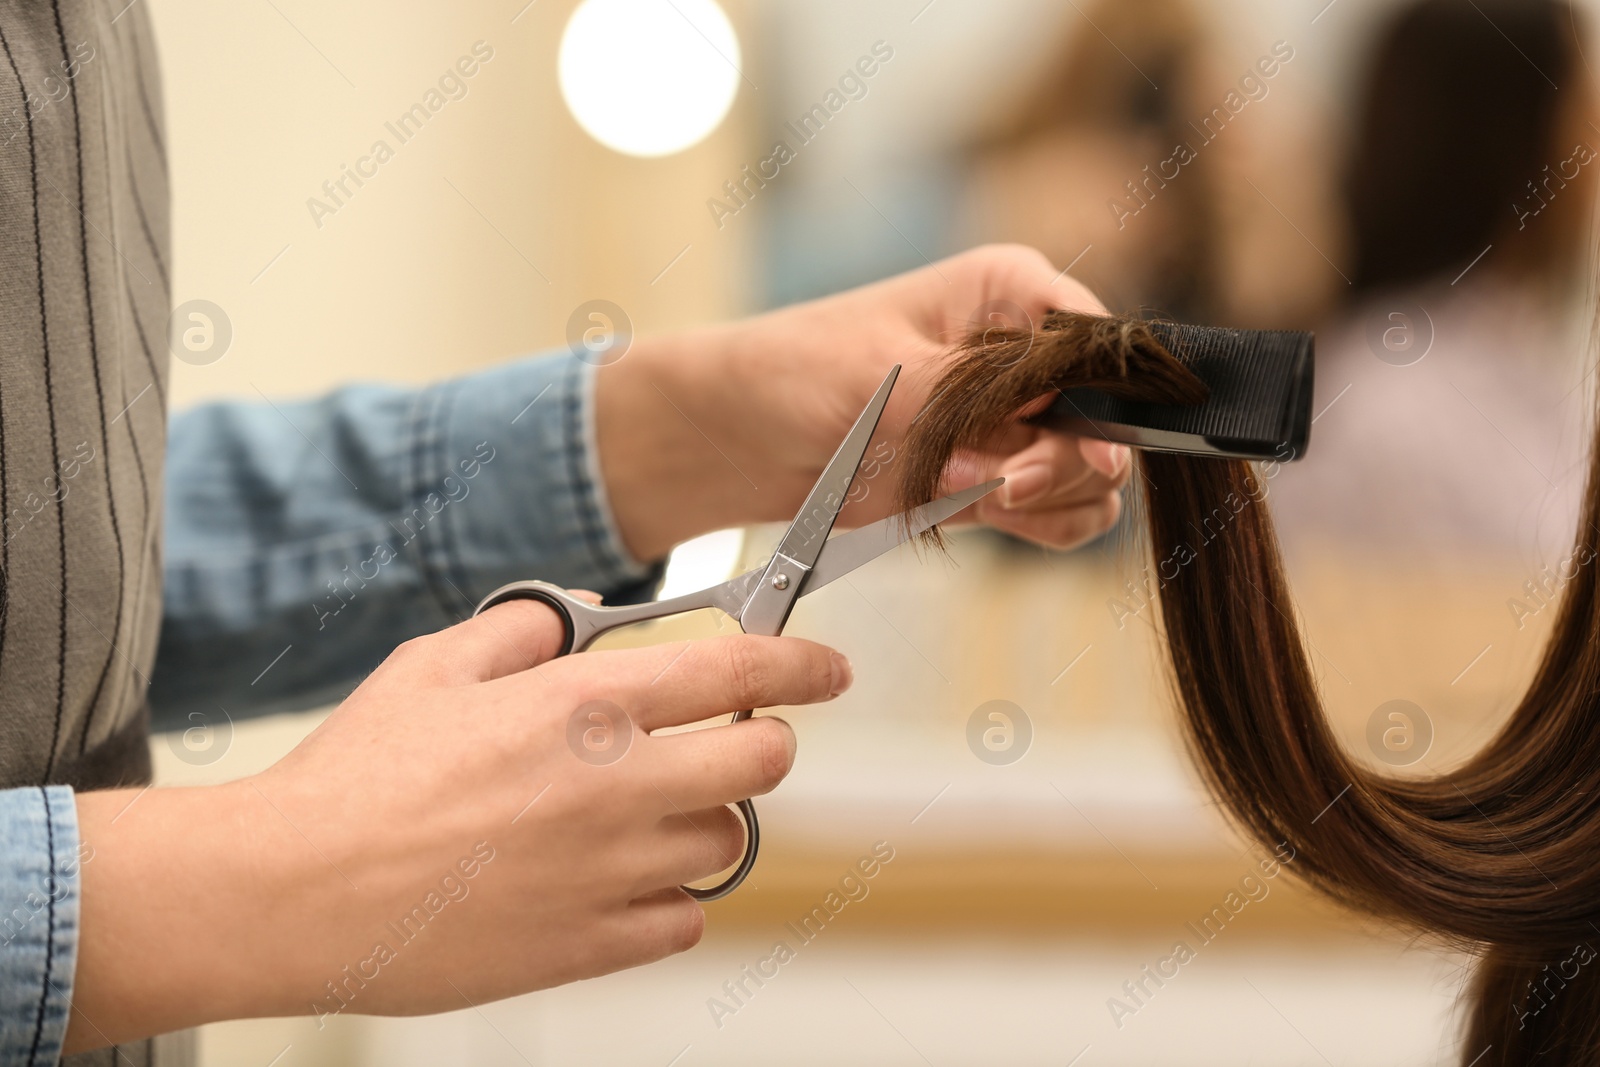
(762, 404)
(438, 841)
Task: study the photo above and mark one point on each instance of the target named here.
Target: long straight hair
(1500, 857)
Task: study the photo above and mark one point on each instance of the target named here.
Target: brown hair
(1450, 83)
(1501, 857)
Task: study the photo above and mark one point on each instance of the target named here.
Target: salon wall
(473, 243)
(1027, 888)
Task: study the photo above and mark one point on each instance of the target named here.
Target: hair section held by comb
(1002, 369)
(1500, 856)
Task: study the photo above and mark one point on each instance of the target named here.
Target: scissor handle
(752, 845)
(545, 593)
(583, 622)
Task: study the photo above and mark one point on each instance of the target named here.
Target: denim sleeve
(38, 921)
(305, 540)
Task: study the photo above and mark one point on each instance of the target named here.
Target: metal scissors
(760, 600)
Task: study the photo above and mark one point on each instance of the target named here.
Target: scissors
(760, 600)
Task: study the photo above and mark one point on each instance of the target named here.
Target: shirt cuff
(514, 449)
(38, 921)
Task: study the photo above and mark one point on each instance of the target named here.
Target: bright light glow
(703, 561)
(649, 77)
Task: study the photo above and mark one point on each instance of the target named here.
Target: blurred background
(1412, 180)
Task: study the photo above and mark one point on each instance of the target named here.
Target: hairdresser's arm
(305, 540)
(731, 424)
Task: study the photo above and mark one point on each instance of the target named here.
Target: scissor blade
(804, 539)
(848, 551)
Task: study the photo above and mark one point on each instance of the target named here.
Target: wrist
(686, 444)
(188, 903)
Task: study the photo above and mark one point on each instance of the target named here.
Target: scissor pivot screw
(780, 581)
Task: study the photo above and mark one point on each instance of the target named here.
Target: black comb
(1259, 407)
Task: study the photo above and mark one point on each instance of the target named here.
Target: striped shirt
(83, 305)
(258, 579)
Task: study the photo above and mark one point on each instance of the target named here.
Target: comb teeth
(1259, 407)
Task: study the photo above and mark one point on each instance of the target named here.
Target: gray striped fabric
(83, 307)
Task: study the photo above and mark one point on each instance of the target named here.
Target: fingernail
(1028, 483)
(1108, 459)
(843, 674)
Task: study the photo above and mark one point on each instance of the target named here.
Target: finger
(694, 845)
(1049, 467)
(514, 636)
(1066, 527)
(1110, 459)
(720, 765)
(668, 685)
(1026, 276)
(652, 927)
(1062, 469)
(1055, 470)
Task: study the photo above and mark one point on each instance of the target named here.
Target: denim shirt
(304, 541)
